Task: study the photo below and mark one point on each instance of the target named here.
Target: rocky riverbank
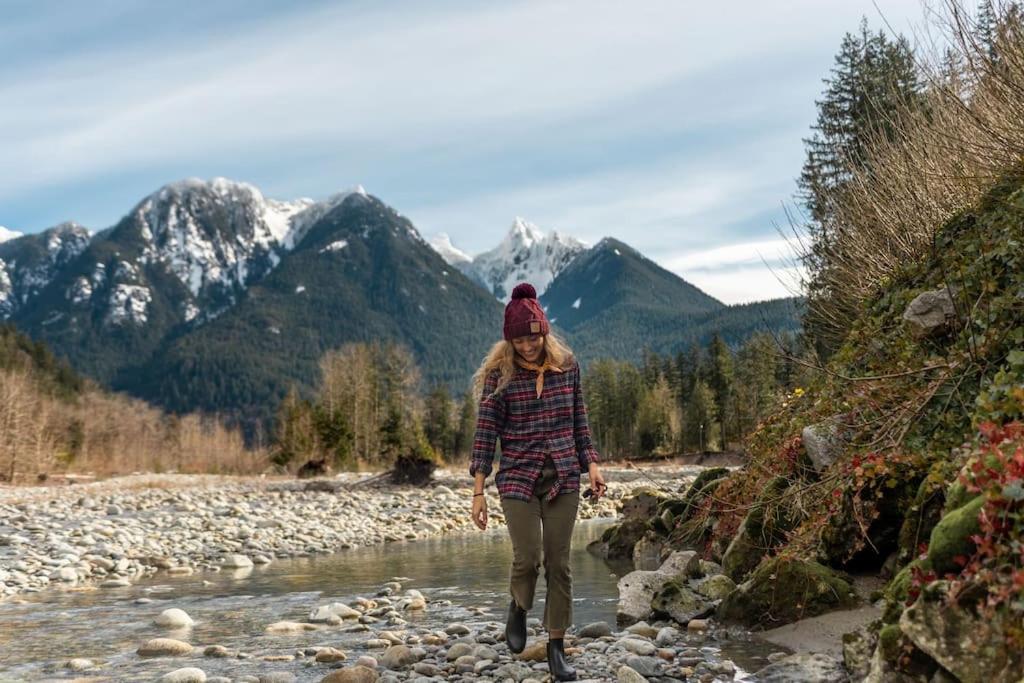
(400, 634)
(109, 533)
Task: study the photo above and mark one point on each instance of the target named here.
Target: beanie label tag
(534, 327)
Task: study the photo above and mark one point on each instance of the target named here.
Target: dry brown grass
(942, 158)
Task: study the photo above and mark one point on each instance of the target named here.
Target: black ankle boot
(558, 665)
(515, 628)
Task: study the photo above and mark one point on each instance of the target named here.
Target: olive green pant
(540, 526)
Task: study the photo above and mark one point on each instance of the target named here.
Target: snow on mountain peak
(6, 234)
(525, 254)
(442, 244)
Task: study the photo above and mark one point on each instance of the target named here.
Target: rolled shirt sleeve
(489, 421)
(585, 451)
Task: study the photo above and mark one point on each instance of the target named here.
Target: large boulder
(824, 442)
(930, 313)
(973, 648)
(647, 552)
(617, 542)
(951, 537)
(676, 599)
(643, 504)
(638, 588)
(783, 590)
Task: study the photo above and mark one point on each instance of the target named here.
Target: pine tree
(721, 380)
(467, 425)
(437, 421)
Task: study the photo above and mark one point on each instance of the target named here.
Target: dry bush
(944, 155)
(106, 434)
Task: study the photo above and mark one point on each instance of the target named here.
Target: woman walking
(530, 398)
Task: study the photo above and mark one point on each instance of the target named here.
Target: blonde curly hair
(502, 356)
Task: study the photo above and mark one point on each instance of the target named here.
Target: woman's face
(529, 347)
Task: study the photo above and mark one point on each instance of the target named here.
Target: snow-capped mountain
(442, 244)
(525, 254)
(7, 234)
(28, 263)
(208, 295)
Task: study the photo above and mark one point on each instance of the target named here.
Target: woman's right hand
(480, 511)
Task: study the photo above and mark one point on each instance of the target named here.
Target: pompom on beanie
(523, 314)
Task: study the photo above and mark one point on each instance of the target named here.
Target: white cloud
(746, 284)
(731, 255)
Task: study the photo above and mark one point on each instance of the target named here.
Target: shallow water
(232, 608)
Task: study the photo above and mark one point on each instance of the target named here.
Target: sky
(674, 126)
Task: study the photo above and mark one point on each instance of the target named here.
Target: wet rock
(617, 541)
(277, 677)
(352, 674)
(218, 651)
(625, 674)
(803, 668)
(334, 609)
(458, 650)
(189, 674)
(285, 627)
(697, 625)
(647, 553)
(637, 646)
(329, 655)
(783, 590)
(79, 664)
(235, 561)
(397, 657)
(173, 618)
(642, 629)
(930, 313)
(595, 629)
(164, 647)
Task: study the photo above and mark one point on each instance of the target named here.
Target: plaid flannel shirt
(532, 428)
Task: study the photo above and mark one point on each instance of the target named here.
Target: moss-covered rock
(617, 542)
(973, 648)
(761, 531)
(783, 590)
(923, 514)
(643, 504)
(951, 537)
(677, 600)
(715, 587)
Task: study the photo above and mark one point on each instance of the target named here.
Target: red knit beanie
(523, 314)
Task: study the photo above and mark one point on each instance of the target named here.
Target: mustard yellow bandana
(539, 369)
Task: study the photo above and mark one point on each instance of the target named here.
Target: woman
(530, 397)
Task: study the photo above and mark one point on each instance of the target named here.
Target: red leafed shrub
(997, 473)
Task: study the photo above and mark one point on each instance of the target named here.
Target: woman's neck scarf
(539, 369)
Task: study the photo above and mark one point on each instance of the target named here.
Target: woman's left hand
(597, 484)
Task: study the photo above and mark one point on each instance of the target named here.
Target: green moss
(951, 537)
(957, 496)
(889, 641)
(783, 590)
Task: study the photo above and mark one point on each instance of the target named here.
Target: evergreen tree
(701, 418)
(720, 380)
(437, 422)
(467, 425)
(873, 78)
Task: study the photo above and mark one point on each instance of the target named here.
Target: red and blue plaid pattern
(531, 428)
